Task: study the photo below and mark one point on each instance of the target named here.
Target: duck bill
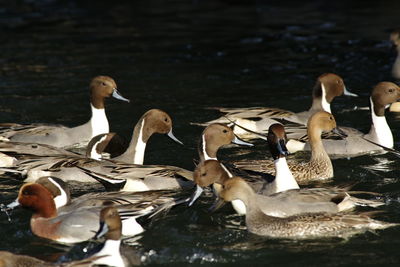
(172, 136)
(339, 132)
(102, 230)
(219, 203)
(196, 195)
(12, 205)
(239, 141)
(118, 96)
(348, 93)
(281, 146)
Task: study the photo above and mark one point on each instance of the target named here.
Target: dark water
(184, 57)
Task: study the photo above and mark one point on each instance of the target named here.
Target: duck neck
(47, 210)
(380, 131)
(320, 102)
(207, 152)
(135, 152)
(112, 252)
(318, 152)
(98, 122)
(284, 179)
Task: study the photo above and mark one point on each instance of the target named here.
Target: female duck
(356, 143)
(319, 167)
(101, 87)
(303, 226)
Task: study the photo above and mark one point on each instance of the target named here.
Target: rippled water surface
(185, 57)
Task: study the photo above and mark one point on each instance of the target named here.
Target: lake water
(185, 57)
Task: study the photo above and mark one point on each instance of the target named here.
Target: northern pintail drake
(110, 252)
(101, 87)
(8, 259)
(319, 167)
(37, 160)
(153, 121)
(382, 95)
(258, 119)
(395, 38)
(302, 226)
(79, 220)
(287, 202)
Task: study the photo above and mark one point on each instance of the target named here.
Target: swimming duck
(258, 119)
(101, 87)
(37, 160)
(382, 95)
(78, 221)
(110, 252)
(153, 121)
(287, 202)
(319, 167)
(303, 226)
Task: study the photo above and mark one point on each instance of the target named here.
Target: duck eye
(204, 174)
(166, 119)
(224, 130)
(103, 83)
(391, 90)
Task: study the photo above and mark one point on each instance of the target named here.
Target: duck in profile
(319, 167)
(258, 119)
(153, 121)
(293, 200)
(303, 226)
(70, 221)
(101, 87)
(357, 143)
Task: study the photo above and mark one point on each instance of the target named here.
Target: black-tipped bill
(348, 93)
(339, 132)
(118, 96)
(172, 136)
(219, 203)
(239, 141)
(102, 230)
(281, 146)
(196, 195)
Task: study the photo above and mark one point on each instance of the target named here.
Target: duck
(318, 168)
(37, 160)
(301, 226)
(121, 176)
(258, 119)
(357, 143)
(9, 259)
(110, 253)
(79, 220)
(293, 200)
(153, 121)
(101, 87)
